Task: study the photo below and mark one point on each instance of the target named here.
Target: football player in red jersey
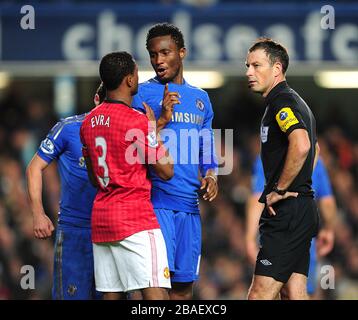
(119, 143)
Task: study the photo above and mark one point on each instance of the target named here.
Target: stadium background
(52, 71)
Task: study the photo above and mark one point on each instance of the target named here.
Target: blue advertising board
(220, 33)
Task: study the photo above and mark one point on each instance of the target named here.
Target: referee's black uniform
(285, 238)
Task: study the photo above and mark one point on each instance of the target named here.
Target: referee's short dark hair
(114, 67)
(166, 29)
(274, 50)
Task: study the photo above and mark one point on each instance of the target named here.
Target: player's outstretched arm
(325, 238)
(42, 224)
(164, 166)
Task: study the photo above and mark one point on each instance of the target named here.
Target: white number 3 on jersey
(101, 142)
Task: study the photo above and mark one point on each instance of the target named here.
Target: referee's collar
(275, 90)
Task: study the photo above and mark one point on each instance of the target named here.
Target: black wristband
(279, 191)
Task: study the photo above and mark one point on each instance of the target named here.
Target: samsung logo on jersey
(187, 118)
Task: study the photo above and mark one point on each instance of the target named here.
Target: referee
(288, 152)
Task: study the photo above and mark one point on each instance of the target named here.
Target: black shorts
(285, 239)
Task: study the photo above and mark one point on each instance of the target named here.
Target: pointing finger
(166, 89)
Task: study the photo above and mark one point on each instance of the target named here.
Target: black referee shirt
(285, 112)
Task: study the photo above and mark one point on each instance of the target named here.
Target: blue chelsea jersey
(77, 194)
(189, 138)
(320, 180)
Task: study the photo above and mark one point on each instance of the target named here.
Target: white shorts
(137, 262)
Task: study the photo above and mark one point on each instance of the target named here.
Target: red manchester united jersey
(120, 143)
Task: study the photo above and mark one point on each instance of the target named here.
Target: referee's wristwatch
(281, 192)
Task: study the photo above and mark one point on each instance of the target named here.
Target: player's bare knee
(257, 294)
(163, 294)
(179, 296)
(253, 295)
(181, 291)
(114, 296)
(298, 293)
(155, 294)
(284, 293)
(255, 291)
(294, 291)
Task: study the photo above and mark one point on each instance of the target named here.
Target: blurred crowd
(225, 272)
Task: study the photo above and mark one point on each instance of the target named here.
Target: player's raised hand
(149, 112)
(169, 100)
(43, 226)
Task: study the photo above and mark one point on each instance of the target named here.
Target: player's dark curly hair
(166, 29)
(101, 91)
(114, 67)
(274, 50)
